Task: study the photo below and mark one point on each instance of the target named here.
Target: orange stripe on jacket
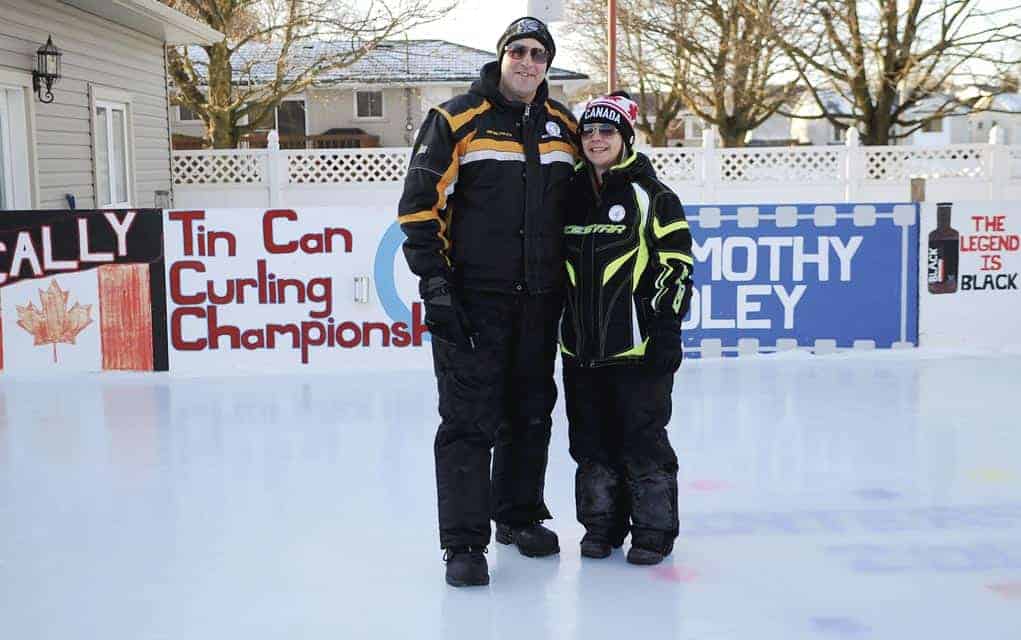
(485, 144)
(458, 121)
(557, 145)
(568, 120)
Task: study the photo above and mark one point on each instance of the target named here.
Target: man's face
(519, 79)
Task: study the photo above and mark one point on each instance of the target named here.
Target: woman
(629, 263)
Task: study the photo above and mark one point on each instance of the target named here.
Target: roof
(152, 18)
(1008, 102)
(838, 104)
(390, 62)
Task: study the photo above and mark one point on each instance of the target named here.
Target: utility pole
(611, 40)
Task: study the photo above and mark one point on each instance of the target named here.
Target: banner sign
(281, 289)
(82, 291)
(970, 260)
(327, 288)
(780, 276)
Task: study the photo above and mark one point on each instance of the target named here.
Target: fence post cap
(273, 140)
(997, 135)
(709, 137)
(852, 138)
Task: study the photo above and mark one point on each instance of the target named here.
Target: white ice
(842, 496)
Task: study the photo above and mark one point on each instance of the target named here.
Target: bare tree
(233, 86)
(654, 77)
(895, 63)
(715, 58)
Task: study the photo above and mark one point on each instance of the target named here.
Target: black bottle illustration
(944, 253)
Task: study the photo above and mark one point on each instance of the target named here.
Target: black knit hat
(527, 27)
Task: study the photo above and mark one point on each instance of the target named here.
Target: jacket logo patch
(578, 230)
(616, 213)
(553, 129)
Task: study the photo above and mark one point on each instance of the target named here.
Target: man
(483, 210)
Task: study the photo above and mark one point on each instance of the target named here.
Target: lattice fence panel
(234, 167)
(781, 165)
(332, 167)
(903, 163)
(678, 165)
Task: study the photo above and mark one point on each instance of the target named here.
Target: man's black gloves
(664, 353)
(444, 314)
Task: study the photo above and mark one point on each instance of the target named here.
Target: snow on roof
(411, 61)
(1009, 102)
(836, 103)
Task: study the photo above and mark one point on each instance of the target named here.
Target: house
(103, 140)
(952, 128)
(385, 94)
(1003, 110)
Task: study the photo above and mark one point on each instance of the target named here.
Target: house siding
(100, 55)
(330, 108)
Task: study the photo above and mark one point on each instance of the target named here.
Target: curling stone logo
(386, 286)
(616, 213)
(553, 129)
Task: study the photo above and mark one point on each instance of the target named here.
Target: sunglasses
(518, 51)
(591, 129)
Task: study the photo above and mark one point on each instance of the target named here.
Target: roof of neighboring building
(397, 61)
(1009, 102)
(152, 18)
(838, 104)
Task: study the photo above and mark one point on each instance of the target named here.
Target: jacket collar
(627, 170)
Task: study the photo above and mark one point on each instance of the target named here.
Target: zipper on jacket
(524, 192)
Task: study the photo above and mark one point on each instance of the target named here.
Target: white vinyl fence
(707, 175)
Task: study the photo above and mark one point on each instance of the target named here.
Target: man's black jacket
(486, 192)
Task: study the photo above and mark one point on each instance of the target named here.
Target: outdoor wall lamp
(47, 70)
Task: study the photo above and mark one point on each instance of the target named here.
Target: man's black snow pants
(498, 397)
(627, 470)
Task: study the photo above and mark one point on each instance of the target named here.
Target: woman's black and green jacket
(628, 261)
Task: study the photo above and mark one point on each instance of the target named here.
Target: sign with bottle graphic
(943, 254)
(973, 251)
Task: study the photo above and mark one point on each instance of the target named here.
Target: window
(368, 104)
(839, 132)
(187, 115)
(291, 118)
(933, 126)
(288, 118)
(112, 150)
(14, 161)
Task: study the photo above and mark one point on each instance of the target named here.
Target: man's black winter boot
(533, 540)
(466, 566)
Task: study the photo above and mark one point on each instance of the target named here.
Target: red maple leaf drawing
(54, 322)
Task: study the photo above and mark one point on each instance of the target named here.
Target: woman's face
(602, 144)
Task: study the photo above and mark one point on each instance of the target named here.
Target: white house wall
(333, 108)
(98, 53)
(776, 127)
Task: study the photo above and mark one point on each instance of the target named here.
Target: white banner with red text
(970, 260)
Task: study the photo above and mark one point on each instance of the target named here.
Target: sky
(479, 24)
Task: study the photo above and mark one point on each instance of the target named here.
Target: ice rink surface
(844, 496)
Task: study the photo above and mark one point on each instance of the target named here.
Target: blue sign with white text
(783, 273)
